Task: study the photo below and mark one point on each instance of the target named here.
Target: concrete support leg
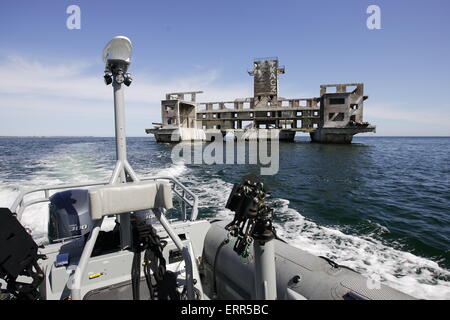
(323, 136)
(287, 135)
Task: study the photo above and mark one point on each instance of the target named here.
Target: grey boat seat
(129, 197)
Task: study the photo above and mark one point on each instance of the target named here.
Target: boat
(159, 249)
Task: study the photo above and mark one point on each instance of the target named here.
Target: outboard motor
(69, 215)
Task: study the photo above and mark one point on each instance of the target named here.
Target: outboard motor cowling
(69, 215)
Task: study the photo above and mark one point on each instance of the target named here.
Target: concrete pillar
(332, 136)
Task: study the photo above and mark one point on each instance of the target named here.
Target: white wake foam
(174, 170)
(71, 163)
(417, 276)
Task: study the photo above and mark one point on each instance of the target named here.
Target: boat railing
(187, 200)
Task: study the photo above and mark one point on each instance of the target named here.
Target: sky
(51, 77)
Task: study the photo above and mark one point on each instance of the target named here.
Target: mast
(117, 58)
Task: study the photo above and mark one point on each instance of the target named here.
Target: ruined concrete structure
(179, 119)
(334, 117)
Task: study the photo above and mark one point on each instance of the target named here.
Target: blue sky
(51, 77)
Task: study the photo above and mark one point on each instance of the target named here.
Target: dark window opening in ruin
(337, 100)
(259, 97)
(354, 106)
(218, 126)
(246, 124)
(271, 98)
(279, 114)
(218, 116)
(339, 117)
(169, 121)
(330, 115)
(298, 114)
(353, 118)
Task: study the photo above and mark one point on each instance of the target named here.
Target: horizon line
(151, 135)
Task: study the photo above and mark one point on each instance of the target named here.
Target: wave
(174, 170)
(72, 163)
(414, 275)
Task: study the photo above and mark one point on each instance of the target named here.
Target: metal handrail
(185, 195)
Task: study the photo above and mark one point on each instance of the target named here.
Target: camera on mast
(117, 58)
